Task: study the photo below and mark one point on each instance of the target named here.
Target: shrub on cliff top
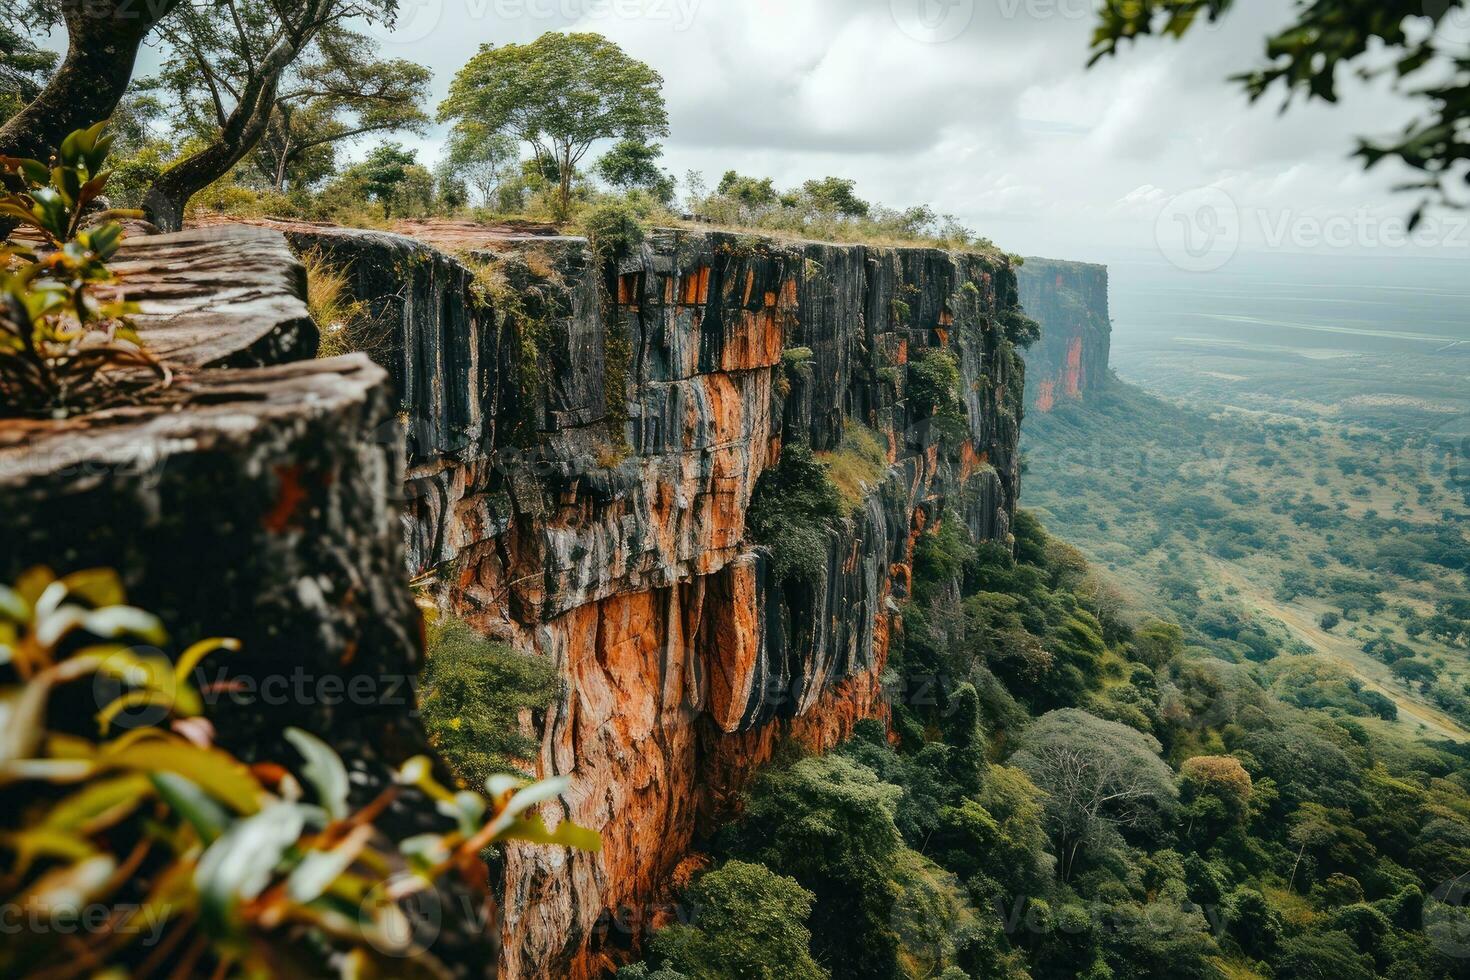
(791, 512)
(473, 691)
(615, 227)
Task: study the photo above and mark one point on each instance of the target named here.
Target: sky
(985, 109)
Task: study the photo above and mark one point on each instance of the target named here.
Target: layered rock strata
(586, 435)
(1070, 301)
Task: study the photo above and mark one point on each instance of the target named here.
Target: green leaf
(310, 879)
(12, 606)
(215, 771)
(29, 845)
(185, 798)
(240, 865)
(23, 719)
(567, 834)
(526, 798)
(115, 621)
(111, 799)
(324, 770)
(99, 586)
(32, 171)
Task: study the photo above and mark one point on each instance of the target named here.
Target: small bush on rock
(472, 693)
(792, 511)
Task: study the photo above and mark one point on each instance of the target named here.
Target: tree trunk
(565, 189)
(171, 191)
(102, 44)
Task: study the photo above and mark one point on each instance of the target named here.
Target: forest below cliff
(1333, 554)
(1073, 787)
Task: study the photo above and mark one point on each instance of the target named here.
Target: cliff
(1070, 301)
(585, 437)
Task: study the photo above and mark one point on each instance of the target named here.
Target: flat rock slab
(256, 502)
(223, 296)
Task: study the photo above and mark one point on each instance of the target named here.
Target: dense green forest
(1333, 554)
(1076, 788)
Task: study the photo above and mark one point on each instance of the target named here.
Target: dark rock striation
(586, 438)
(1070, 301)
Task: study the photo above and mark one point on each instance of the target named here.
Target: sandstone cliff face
(1070, 301)
(585, 440)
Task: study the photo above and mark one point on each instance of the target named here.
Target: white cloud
(1003, 125)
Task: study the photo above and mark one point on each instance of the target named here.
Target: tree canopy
(234, 67)
(1098, 775)
(560, 94)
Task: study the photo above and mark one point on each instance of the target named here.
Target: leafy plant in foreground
(65, 346)
(198, 863)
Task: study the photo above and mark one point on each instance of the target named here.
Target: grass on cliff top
(883, 227)
(345, 324)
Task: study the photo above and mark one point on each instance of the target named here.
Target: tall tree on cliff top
(102, 43)
(1422, 44)
(561, 94)
(234, 62)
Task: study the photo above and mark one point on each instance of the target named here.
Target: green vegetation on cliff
(1335, 551)
(1075, 791)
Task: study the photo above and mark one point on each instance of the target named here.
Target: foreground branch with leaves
(200, 864)
(66, 344)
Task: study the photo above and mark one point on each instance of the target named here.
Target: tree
(828, 823)
(834, 195)
(749, 192)
(1098, 776)
(1253, 922)
(561, 94)
(1400, 38)
(23, 66)
(632, 165)
(479, 156)
(749, 924)
(1158, 642)
(386, 168)
(1215, 792)
(102, 44)
(338, 93)
(230, 64)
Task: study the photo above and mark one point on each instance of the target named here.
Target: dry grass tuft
(346, 325)
(858, 466)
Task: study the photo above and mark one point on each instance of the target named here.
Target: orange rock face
(1070, 301)
(614, 542)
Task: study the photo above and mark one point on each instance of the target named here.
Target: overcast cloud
(983, 109)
